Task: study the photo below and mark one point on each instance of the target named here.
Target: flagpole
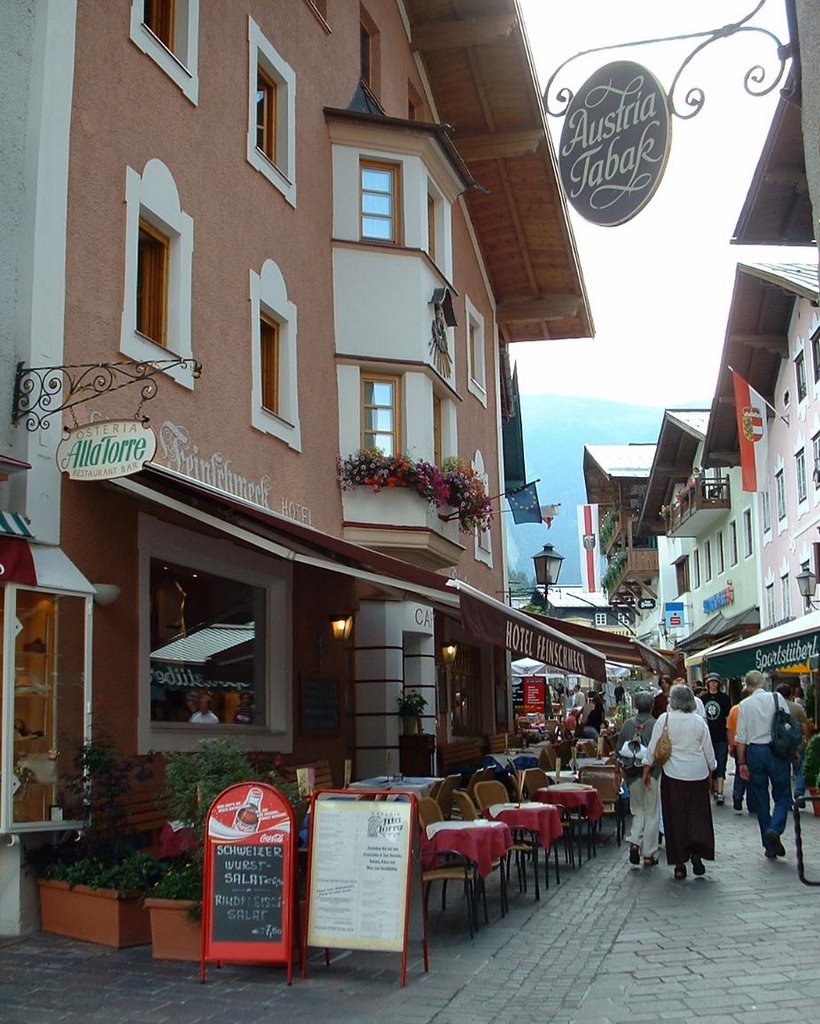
(768, 404)
(455, 515)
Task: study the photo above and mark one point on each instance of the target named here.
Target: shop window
(465, 682)
(271, 142)
(167, 31)
(152, 283)
(48, 715)
(380, 414)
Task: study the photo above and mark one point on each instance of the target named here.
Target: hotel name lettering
(536, 645)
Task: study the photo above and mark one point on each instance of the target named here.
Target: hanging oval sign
(615, 143)
(105, 449)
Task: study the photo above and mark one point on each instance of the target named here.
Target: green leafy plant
(614, 572)
(606, 530)
(137, 872)
(811, 760)
(411, 704)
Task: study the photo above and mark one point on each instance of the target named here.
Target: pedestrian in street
(593, 720)
(685, 804)
(644, 801)
(760, 767)
(798, 713)
(717, 706)
(662, 696)
(740, 787)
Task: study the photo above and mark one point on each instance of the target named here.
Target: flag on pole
(549, 512)
(752, 435)
(524, 504)
(589, 548)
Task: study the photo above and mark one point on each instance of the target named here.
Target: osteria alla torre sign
(105, 449)
(615, 143)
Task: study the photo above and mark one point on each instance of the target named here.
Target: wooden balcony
(640, 567)
(698, 507)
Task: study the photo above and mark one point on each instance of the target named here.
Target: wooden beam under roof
(498, 146)
(777, 343)
(466, 32)
(728, 458)
(549, 307)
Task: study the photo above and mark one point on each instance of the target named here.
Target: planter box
(813, 797)
(104, 916)
(174, 936)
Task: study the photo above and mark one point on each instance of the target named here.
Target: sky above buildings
(660, 285)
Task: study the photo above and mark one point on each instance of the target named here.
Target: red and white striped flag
(590, 548)
(752, 435)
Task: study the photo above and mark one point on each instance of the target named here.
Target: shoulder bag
(663, 748)
(787, 735)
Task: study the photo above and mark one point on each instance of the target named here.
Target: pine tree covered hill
(556, 428)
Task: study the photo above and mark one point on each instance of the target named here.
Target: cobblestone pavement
(611, 944)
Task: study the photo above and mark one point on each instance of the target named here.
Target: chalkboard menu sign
(249, 877)
(320, 713)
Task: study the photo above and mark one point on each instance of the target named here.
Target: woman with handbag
(681, 743)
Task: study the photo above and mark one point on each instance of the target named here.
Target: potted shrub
(411, 708)
(192, 782)
(811, 770)
(92, 888)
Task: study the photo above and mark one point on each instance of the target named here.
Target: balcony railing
(709, 495)
(636, 563)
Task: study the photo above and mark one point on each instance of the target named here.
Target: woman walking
(644, 801)
(687, 809)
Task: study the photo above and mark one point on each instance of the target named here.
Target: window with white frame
(600, 619)
(815, 452)
(815, 354)
(733, 543)
(380, 201)
(476, 359)
(167, 31)
(707, 560)
(274, 390)
(748, 540)
(766, 510)
(800, 376)
(696, 568)
(271, 142)
(771, 615)
(719, 556)
(159, 243)
(800, 474)
(381, 413)
(785, 596)
(190, 586)
(483, 538)
(780, 494)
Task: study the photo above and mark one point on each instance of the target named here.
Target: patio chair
(535, 779)
(525, 840)
(482, 775)
(607, 780)
(444, 797)
(429, 812)
(547, 758)
(464, 806)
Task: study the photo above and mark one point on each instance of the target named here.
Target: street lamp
(547, 568)
(807, 584)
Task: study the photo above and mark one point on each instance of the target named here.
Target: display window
(45, 648)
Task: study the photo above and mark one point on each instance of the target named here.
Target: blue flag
(524, 505)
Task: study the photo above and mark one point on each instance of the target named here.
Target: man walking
(760, 767)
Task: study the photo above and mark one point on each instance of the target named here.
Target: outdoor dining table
(481, 842)
(545, 819)
(513, 760)
(573, 796)
(419, 786)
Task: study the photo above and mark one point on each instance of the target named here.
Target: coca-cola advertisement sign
(615, 143)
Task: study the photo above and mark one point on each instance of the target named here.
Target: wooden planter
(104, 916)
(174, 936)
(813, 797)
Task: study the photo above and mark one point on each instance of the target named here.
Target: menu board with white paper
(359, 874)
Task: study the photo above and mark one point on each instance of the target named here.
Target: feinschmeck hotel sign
(105, 449)
(615, 143)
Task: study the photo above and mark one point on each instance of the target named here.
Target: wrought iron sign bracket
(755, 81)
(41, 392)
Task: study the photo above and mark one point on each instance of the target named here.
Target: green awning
(785, 648)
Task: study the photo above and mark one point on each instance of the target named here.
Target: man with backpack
(767, 739)
(644, 801)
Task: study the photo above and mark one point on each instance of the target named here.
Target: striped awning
(14, 525)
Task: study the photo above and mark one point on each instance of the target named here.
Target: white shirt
(204, 717)
(699, 708)
(754, 720)
(579, 700)
(693, 756)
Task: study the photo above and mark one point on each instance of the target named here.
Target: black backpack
(787, 734)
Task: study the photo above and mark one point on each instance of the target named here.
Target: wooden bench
(462, 755)
(322, 778)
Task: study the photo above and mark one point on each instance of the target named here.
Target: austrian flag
(752, 434)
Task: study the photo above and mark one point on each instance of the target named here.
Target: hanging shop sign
(673, 614)
(615, 143)
(105, 449)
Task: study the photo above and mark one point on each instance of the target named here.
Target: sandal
(634, 855)
(680, 871)
(650, 862)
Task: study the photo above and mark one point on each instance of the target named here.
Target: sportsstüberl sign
(615, 143)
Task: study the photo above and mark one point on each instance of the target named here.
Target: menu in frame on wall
(359, 873)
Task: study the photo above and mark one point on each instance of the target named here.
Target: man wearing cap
(716, 704)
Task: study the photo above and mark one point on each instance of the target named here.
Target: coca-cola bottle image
(247, 817)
